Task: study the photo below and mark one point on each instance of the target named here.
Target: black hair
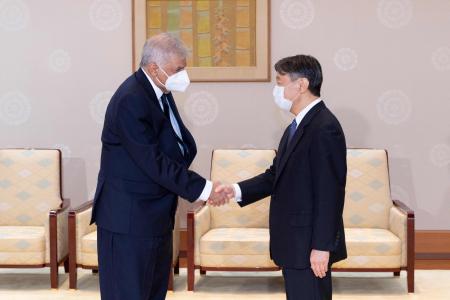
(305, 66)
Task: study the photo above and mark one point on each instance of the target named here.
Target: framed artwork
(227, 40)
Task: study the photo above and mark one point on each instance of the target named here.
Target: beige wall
(386, 65)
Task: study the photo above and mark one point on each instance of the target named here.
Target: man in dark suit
(307, 184)
(146, 154)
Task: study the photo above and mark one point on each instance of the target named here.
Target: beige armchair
(83, 244)
(231, 238)
(33, 214)
(379, 231)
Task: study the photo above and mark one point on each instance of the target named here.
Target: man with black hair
(306, 182)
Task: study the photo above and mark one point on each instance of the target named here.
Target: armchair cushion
(371, 248)
(232, 241)
(236, 248)
(367, 241)
(88, 248)
(237, 261)
(21, 245)
(89, 243)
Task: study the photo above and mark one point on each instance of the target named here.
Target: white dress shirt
(176, 127)
(298, 119)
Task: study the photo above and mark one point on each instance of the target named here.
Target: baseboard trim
(433, 256)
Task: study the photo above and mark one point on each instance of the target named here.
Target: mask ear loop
(164, 74)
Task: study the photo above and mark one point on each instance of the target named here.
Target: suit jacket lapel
(188, 139)
(297, 137)
(282, 147)
(143, 81)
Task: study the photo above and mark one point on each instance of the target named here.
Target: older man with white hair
(146, 153)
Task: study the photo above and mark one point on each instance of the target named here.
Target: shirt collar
(303, 113)
(157, 90)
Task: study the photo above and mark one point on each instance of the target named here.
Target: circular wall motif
(395, 13)
(394, 107)
(440, 155)
(106, 15)
(14, 15)
(201, 108)
(98, 106)
(297, 14)
(15, 108)
(59, 61)
(441, 59)
(346, 59)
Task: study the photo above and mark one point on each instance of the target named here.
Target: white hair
(161, 48)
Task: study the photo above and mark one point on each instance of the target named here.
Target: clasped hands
(221, 194)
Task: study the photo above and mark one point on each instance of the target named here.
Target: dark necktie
(166, 109)
(165, 106)
(292, 129)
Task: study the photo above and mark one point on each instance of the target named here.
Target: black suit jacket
(307, 184)
(143, 170)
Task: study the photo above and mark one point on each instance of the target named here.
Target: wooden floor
(430, 284)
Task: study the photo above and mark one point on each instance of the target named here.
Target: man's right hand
(227, 190)
(218, 197)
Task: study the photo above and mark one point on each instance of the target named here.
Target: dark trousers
(302, 284)
(133, 268)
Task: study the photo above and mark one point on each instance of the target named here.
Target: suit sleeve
(329, 170)
(141, 144)
(258, 187)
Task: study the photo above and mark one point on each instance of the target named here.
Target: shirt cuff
(204, 196)
(237, 192)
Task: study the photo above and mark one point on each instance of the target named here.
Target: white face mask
(278, 97)
(177, 82)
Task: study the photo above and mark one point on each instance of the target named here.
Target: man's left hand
(319, 262)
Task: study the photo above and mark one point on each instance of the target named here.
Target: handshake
(221, 194)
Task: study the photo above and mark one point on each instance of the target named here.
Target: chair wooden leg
(54, 276)
(53, 250)
(190, 251)
(72, 251)
(66, 266)
(176, 268)
(410, 280)
(202, 272)
(73, 274)
(410, 252)
(396, 274)
(190, 278)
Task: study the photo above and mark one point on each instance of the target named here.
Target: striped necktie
(292, 129)
(166, 109)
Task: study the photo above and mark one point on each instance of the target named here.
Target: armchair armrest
(401, 223)
(79, 219)
(56, 233)
(198, 223)
(404, 208)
